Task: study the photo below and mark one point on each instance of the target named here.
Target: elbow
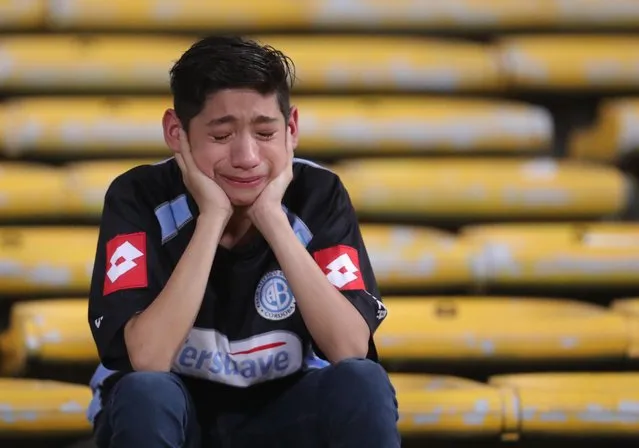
(344, 355)
(356, 348)
(146, 361)
(356, 351)
(144, 356)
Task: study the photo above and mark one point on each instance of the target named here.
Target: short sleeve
(126, 272)
(338, 248)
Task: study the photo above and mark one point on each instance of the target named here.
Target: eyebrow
(260, 119)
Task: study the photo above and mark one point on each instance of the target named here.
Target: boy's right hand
(208, 195)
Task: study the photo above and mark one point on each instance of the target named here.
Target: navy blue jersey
(248, 332)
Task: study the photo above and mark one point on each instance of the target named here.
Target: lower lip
(239, 184)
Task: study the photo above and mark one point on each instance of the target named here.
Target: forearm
(154, 336)
(336, 326)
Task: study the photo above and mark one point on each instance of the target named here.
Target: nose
(245, 154)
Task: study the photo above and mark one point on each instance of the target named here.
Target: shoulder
(316, 191)
(149, 184)
(314, 181)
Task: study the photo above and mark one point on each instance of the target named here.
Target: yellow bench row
(484, 188)
(331, 126)
(421, 329)
(333, 63)
(59, 260)
(550, 404)
(613, 136)
(188, 15)
(452, 189)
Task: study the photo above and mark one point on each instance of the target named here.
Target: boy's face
(239, 140)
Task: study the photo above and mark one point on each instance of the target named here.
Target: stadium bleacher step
(484, 335)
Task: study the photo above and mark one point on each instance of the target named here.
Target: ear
(171, 126)
(293, 126)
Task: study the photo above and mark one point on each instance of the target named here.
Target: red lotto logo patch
(341, 266)
(125, 263)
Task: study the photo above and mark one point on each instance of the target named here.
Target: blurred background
(490, 149)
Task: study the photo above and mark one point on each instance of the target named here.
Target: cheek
(205, 161)
(275, 156)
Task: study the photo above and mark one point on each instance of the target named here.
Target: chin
(243, 197)
(243, 200)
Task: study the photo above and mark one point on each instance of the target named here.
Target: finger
(180, 161)
(185, 151)
(184, 141)
(289, 143)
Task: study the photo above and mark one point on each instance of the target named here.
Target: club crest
(274, 299)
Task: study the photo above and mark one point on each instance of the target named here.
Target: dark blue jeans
(350, 404)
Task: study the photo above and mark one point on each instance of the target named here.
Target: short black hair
(229, 62)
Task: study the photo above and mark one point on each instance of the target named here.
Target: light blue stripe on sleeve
(172, 216)
(300, 228)
(180, 210)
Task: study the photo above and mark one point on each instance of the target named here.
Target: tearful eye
(220, 138)
(266, 135)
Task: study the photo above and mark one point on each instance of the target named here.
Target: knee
(358, 398)
(353, 371)
(154, 390)
(146, 409)
(361, 380)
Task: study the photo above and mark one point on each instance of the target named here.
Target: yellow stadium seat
(584, 62)
(575, 404)
(330, 125)
(484, 188)
(548, 255)
(286, 14)
(34, 191)
(31, 190)
(499, 328)
(609, 234)
(39, 407)
(21, 14)
(50, 331)
(323, 63)
(519, 233)
(592, 14)
(587, 144)
(186, 15)
(390, 63)
(78, 63)
(89, 181)
(420, 381)
(75, 126)
(361, 14)
(629, 307)
(596, 234)
(416, 257)
(449, 406)
(614, 135)
(340, 126)
(46, 260)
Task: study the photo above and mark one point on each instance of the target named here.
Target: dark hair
(220, 62)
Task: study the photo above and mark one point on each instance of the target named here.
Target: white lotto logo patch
(127, 253)
(341, 271)
(274, 299)
(208, 354)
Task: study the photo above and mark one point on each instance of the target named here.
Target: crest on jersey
(274, 299)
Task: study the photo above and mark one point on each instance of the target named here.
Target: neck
(238, 230)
